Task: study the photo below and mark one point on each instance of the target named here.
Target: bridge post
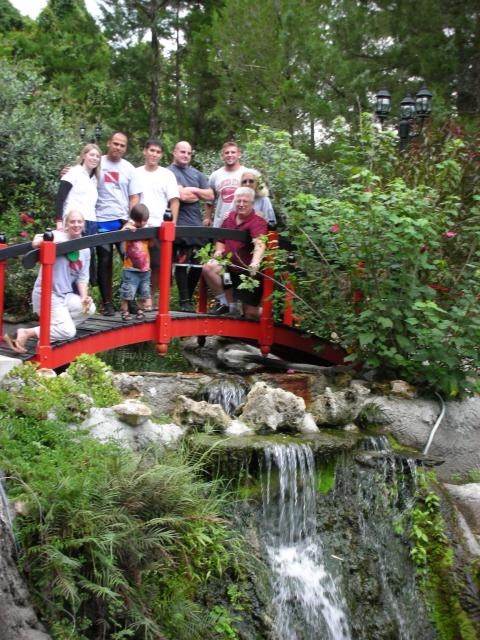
(3, 266)
(166, 236)
(202, 295)
(289, 292)
(48, 253)
(266, 319)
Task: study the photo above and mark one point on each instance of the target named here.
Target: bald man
(194, 189)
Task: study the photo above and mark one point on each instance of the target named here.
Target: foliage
(31, 149)
(398, 262)
(64, 39)
(144, 355)
(433, 557)
(112, 543)
(37, 396)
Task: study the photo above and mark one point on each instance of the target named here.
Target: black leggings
(186, 277)
(105, 269)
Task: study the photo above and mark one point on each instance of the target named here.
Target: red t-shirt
(241, 251)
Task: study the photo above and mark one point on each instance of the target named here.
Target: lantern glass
(383, 103)
(423, 102)
(407, 107)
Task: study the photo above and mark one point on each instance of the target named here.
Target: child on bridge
(136, 271)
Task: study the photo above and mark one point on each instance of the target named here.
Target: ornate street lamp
(410, 110)
(383, 104)
(95, 137)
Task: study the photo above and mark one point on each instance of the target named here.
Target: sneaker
(108, 309)
(187, 306)
(220, 310)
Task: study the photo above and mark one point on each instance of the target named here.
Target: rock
(467, 499)
(237, 428)
(308, 425)
(201, 415)
(18, 620)
(104, 424)
(457, 439)
(272, 409)
(160, 390)
(336, 408)
(402, 389)
(133, 412)
(128, 385)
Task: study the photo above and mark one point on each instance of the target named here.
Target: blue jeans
(135, 284)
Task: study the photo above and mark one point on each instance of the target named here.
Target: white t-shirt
(83, 194)
(115, 186)
(224, 183)
(157, 188)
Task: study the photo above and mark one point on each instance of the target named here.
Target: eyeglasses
(248, 181)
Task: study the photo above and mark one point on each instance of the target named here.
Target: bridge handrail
(167, 233)
(112, 237)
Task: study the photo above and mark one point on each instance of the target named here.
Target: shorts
(135, 284)
(252, 298)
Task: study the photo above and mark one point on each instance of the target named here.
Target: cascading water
(307, 597)
(338, 565)
(229, 393)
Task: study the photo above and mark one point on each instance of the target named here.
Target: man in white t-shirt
(224, 182)
(116, 190)
(158, 190)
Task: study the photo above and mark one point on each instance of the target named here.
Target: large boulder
(273, 409)
(200, 415)
(335, 408)
(456, 440)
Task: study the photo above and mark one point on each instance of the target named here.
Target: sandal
(125, 315)
(140, 314)
(13, 344)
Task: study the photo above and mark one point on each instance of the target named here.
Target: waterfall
(229, 393)
(307, 595)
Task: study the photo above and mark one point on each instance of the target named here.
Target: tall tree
(129, 22)
(71, 54)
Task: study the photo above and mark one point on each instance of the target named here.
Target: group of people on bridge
(105, 193)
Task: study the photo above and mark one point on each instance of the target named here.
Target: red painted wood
(47, 260)
(169, 325)
(166, 235)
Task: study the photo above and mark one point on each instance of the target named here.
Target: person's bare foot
(23, 336)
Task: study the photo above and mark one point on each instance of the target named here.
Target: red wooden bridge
(101, 333)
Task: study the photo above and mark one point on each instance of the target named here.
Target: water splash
(229, 393)
(307, 594)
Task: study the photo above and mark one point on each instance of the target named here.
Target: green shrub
(397, 262)
(112, 544)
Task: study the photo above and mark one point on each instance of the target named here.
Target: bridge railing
(166, 234)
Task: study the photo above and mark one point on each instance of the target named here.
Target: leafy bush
(113, 544)
(35, 143)
(65, 397)
(398, 264)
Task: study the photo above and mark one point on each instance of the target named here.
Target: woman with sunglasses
(262, 204)
(71, 304)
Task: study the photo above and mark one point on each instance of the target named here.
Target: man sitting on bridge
(245, 258)
(71, 304)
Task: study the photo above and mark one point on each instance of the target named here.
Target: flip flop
(12, 343)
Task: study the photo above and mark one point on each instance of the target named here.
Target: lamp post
(95, 137)
(411, 111)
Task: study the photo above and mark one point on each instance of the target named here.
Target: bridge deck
(101, 333)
